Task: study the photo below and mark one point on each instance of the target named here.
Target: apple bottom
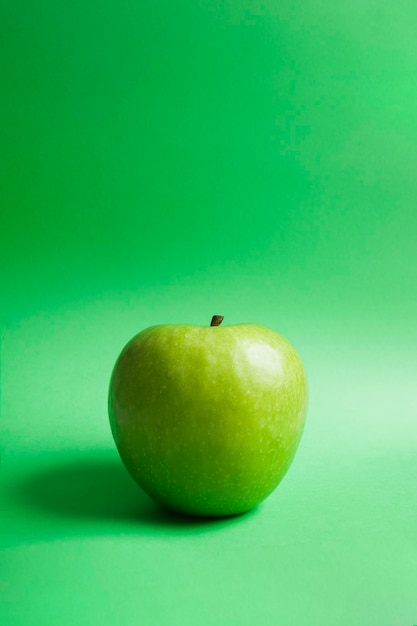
(203, 485)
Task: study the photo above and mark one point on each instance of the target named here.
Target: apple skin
(208, 419)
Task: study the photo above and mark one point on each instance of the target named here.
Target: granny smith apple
(207, 419)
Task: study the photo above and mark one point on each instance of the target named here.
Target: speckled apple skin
(207, 419)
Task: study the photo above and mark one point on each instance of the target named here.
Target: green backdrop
(164, 161)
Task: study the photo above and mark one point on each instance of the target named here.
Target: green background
(164, 161)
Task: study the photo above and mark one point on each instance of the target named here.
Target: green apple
(207, 419)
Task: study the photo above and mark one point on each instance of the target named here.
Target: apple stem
(216, 320)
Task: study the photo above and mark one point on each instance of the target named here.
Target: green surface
(161, 162)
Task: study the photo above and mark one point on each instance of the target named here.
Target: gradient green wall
(164, 161)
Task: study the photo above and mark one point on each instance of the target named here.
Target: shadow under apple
(92, 487)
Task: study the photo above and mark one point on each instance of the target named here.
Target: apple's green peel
(208, 423)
